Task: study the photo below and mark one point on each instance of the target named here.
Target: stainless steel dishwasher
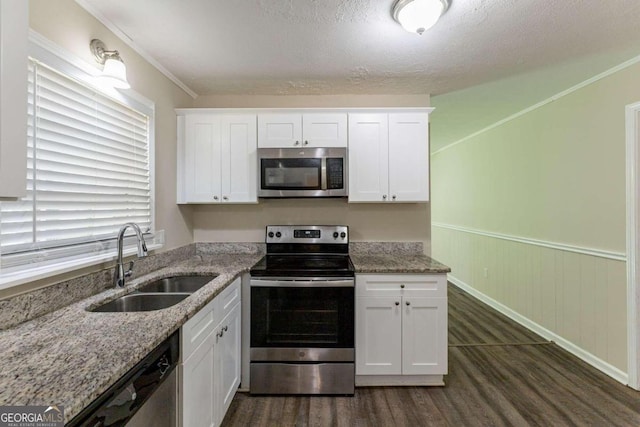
(147, 391)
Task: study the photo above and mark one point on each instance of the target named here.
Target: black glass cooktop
(304, 266)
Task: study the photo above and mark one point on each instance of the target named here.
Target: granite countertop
(71, 356)
(393, 257)
(397, 263)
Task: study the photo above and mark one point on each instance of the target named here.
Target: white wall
(539, 201)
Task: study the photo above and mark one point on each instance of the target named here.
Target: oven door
(298, 314)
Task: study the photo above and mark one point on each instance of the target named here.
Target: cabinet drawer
(228, 299)
(198, 328)
(419, 285)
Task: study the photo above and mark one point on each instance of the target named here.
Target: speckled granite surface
(203, 248)
(380, 248)
(70, 356)
(21, 308)
(392, 257)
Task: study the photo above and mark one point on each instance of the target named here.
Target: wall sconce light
(417, 16)
(114, 71)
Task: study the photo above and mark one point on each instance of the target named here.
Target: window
(88, 172)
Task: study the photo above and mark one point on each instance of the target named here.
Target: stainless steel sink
(188, 284)
(140, 302)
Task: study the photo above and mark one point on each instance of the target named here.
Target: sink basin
(188, 284)
(140, 302)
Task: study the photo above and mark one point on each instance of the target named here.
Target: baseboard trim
(577, 351)
(399, 380)
(617, 256)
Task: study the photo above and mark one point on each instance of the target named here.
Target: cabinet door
(228, 361)
(378, 336)
(239, 159)
(197, 386)
(14, 32)
(408, 158)
(424, 336)
(324, 130)
(368, 158)
(202, 151)
(279, 130)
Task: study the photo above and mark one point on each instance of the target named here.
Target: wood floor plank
(472, 322)
(487, 385)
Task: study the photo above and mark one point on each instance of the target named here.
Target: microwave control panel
(335, 173)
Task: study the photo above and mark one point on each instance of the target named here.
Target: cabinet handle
(397, 302)
(384, 197)
(297, 143)
(408, 303)
(402, 286)
(306, 143)
(393, 197)
(215, 197)
(225, 198)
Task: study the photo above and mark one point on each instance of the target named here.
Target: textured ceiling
(482, 52)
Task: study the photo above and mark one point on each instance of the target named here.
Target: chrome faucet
(120, 274)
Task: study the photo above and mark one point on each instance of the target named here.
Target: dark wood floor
(500, 374)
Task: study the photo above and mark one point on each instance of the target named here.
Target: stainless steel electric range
(302, 313)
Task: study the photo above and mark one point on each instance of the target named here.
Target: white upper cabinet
(217, 160)
(368, 157)
(201, 160)
(302, 130)
(389, 157)
(324, 130)
(239, 159)
(408, 157)
(14, 31)
(279, 130)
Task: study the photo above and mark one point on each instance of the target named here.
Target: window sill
(33, 272)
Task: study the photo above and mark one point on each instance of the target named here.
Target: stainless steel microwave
(302, 172)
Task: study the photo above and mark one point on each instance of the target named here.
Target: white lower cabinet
(210, 354)
(401, 329)
(228, 354)
(198, 380)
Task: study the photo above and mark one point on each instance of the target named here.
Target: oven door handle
(333, 283)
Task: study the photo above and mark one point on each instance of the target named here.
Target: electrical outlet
(486, 272)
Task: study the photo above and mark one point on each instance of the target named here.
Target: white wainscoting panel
(574, 297)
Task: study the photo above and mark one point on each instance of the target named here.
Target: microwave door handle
(323, 173)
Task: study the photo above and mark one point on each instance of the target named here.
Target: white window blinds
(88, 167)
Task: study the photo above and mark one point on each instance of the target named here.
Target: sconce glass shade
(417, 16)
(115, 74)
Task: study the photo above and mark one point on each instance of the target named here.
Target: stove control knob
(270, 234)
(278, 234)
(343, 234)
(335, 234)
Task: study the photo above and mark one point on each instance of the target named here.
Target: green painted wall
(556, 173)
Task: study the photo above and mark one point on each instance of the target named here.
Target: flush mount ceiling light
(417, 16)
(114, 72)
